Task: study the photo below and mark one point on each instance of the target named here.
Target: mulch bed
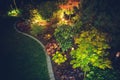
(66, 72)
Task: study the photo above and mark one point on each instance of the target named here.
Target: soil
(66, 72)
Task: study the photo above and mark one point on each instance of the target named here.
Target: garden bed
(63, 71)
(76, 46)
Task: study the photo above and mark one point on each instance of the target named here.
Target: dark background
(5, 4)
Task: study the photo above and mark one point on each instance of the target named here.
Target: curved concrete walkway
(49, 65)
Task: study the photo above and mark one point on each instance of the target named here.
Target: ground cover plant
(75, 37)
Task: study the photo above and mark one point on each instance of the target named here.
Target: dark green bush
(99, 74)
(36, 29)
(46, 9)
(64, 36)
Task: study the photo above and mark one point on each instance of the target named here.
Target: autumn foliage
(69, 5)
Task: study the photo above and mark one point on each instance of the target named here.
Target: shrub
(91, 50)
(64, 36)
(52, 47)
(59, 58)
(99, 74)
(36, 18)
(14, 13)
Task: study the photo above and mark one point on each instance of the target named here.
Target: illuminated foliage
(14, 13)
(37, 22)
(64, 36)
(67, 16)
(91, 50)
(60, 15)
(36, 18)
(71, 34)
(69, 5)
(52, 47)
(59, 58)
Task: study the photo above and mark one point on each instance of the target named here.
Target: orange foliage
(52, 47)
(43, 23)
(70, 4)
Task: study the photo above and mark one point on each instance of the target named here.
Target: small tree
(91, 50)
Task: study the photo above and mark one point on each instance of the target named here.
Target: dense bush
(46, 9)
(99, 74)
(35, 17)
(59, 57)
(91, 50)
(52, 47)
(14, 13)
(64, 36)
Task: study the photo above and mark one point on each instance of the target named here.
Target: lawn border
(49, 64)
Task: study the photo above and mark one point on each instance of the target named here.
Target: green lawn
(21, 58)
